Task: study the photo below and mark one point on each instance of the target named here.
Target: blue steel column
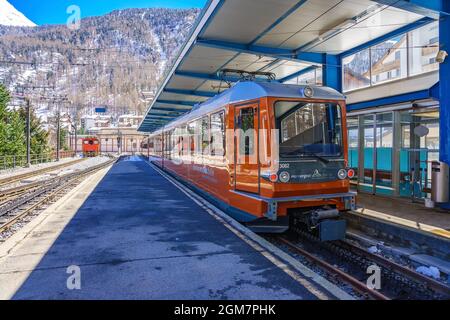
(332, 75)
(444, 92)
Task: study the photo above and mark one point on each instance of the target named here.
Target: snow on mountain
(10, 16)
(134, 48)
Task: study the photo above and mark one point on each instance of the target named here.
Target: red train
(271, 155)
(91, 147)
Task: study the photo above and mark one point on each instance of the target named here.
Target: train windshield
(309, 129)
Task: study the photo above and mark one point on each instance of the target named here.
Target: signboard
(100, 110)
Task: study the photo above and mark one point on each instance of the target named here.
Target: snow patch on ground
(432, 272)
(373, 250)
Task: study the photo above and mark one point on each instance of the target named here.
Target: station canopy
(286, 38)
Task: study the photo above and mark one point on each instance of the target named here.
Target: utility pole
(28, 110)
(119, 141)
(74, 127)
(76, 136)
(58, 135)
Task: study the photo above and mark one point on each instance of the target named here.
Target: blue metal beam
(197, 75)
(178, 103)
(206, 76)
(285, 54)
(407, 97)
(409, 27)
(298, 73)
(429, 8)
(162, 117)
(244, 48)
(171, 110)
(204, 94)
(151, 119)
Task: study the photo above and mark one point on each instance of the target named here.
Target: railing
(15, 161)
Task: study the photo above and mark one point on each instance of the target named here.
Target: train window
(172, 143)
(182, 139)
(205, 135)
(218, 134)
(309, 129)
(192, 134)
(246, 124)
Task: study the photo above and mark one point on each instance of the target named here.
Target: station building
(389, 57)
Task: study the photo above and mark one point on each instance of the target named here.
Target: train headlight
(285, 177)
(308, 92)
(342, 174)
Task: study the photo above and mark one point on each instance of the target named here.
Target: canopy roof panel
(285, 37)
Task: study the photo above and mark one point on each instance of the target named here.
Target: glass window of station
(313, 77)
(391, 152)
(404, 56)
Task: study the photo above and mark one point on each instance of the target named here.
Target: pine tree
(39, 136)
(4, 100)
(12, 128)
(16, 144)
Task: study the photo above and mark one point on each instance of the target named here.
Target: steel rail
(397, 268)
(56, 187)
(357, 285)
(398, 273)
(34, 173)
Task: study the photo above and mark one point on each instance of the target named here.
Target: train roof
(252, 90)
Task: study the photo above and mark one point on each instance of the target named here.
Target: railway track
(399, 282)
(24, 204)
(19, 177)
(357, 285)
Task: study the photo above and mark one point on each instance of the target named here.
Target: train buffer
(131, 233)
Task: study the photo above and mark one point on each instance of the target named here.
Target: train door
(246, 124)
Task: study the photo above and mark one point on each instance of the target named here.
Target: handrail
(14, 161)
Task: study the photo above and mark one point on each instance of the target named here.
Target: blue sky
(54, 11)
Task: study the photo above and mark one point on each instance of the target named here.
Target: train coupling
(327, 223)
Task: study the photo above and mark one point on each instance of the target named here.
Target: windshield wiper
(326, 161)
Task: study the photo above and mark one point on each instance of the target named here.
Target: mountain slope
(111, 60)
(9, 16)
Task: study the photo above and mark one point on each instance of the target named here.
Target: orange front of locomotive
(308, 172)
(91, 147)
(300, 173)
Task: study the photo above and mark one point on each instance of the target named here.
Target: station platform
(135, 234)
(405, 212)
(406, 229)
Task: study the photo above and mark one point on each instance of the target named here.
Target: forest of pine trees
(13, 130)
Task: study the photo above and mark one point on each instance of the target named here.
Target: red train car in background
(91, 147)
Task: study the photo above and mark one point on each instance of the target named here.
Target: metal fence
(15, 161)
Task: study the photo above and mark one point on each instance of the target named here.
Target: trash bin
(439, 182)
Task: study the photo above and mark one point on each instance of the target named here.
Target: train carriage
(271, 155)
